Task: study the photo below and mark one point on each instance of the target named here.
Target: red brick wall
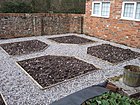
(112, 28)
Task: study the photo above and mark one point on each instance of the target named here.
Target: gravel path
(18, 88)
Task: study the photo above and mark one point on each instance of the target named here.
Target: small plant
(116, 78)
(111, 98)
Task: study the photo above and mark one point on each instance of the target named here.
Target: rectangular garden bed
(111, 53)
(50, 70)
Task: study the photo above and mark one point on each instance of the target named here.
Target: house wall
(112, 28)
(19, 25)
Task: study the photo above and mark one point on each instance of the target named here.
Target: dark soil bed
(111, 53)
(1, 101)
(72, 40)
(50, 70)
(25, 47)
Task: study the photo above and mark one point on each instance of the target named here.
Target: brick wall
(19, 25)
(112, 28)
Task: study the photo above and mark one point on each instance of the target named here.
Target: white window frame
(100, 11)
(134, 11)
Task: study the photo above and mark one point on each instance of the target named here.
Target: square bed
(50, 70)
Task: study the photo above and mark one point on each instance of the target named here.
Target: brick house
(114, 20)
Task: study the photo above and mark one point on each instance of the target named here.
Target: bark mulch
(50, 70)
(1, 101)
(24, 47)
(72, 40)
(111, 53)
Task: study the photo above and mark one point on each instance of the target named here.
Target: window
(96, 9)
(101, 9)
(137, 11)
(131, 11)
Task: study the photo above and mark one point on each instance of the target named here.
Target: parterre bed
(72, 40)
(24, 47)
(111, 53)
(50, 70)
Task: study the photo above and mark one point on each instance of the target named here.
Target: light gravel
(18, 88)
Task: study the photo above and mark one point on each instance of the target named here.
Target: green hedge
(38, 6)
(16, 7)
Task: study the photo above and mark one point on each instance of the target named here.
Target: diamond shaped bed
(111, 53)
(48, 71)
(24, 47)
(72, 40)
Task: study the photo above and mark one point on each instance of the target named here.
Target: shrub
(16, 7)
